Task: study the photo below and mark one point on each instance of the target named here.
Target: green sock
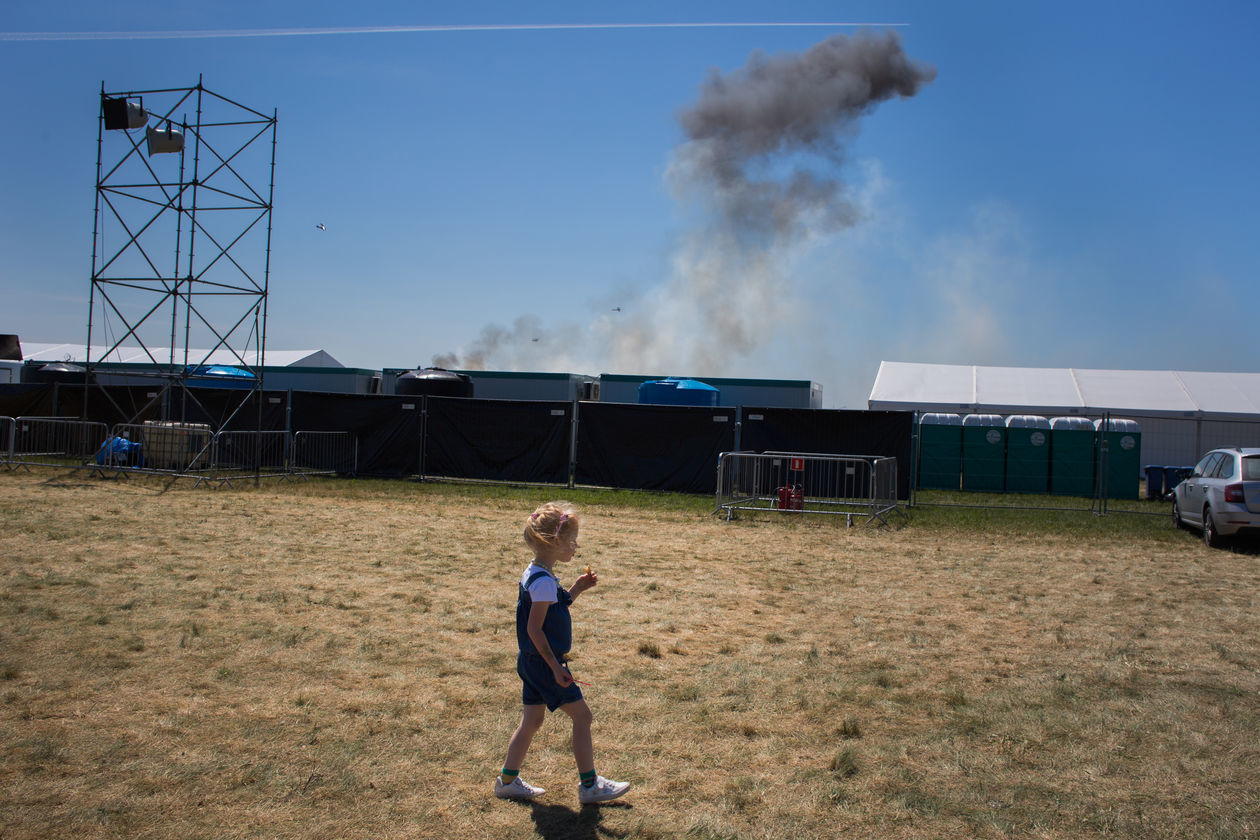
(588, 778)
(507, 775)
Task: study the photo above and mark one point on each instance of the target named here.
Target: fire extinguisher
(785, 498)
(797, 499)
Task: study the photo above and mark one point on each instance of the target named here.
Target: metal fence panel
(54, 441)
(1182, 441)
(1217, 433)
(797, 482)
(325, 453)
(178, 447)
(182, 449)
(238, 454)
(123, 449)
(1166, 446)
(6, 440)
(154, 446)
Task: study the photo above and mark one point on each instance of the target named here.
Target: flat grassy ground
(336, 660)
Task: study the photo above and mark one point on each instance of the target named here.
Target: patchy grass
(335, 659)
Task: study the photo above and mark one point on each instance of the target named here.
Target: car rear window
(1251, 468)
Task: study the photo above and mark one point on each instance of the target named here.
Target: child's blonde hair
(546, 525)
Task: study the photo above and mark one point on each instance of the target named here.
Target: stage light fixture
(169, 140)
(122, 114)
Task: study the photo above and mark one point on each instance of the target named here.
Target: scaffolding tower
(181, 249)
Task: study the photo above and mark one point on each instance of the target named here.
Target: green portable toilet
(1027, 454)
(940, 451)
(1120, 448)
(1072, 456)
(983, 453)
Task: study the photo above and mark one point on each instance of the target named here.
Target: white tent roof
(971, 388)
(74, 353)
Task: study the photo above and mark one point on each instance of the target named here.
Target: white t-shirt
(545, 589)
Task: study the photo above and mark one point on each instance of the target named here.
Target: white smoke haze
(764, 148)
(978, 273)
(719, 304)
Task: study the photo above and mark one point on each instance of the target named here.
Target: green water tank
(984, 453)
(1072, 442)
(940, 451)
(1027, 454)
(1120, 450)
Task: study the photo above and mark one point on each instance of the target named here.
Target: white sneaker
(602, 791)
(517, 789)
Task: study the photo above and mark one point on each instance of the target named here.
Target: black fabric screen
(833, 432)
(26, 400)
(387, 428)
(652, 447)
(498, 440)
(218, 408)
(112, 404)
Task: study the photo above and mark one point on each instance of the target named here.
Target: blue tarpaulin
(119, 451)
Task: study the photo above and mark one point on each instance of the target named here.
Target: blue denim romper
(539, 683)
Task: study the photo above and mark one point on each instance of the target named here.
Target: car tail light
(1234, 493)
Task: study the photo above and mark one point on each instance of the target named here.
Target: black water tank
(64, 372)
(434, 382)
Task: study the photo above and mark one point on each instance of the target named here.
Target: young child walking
(544, 635)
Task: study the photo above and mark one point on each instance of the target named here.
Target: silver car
(1221, 496)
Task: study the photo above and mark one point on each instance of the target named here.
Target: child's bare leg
(531, 719)
(583, 746)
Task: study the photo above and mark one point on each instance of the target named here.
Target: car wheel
(1177, 523)
(1211, 538)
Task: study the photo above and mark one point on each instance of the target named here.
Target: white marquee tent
(74, 353)
(311, 370)
(1181, 413)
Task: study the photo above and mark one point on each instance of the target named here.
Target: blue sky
(1075, 187)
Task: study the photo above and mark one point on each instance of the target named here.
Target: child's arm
(583, 583)
(533, 626)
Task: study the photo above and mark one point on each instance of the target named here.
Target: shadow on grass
(1249, 545)
(557, 822)
(1244, 545)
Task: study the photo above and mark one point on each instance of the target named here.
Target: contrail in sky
(173, 34)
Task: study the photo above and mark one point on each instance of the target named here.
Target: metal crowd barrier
(179, 448)
(54, 441)
(803, 482)
(325, 453)
(6, 440)
(182, 449)
(249, 454)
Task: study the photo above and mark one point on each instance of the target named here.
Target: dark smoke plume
(764, 147)
(525, 344)
(777, 113)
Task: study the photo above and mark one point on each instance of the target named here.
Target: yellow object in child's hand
(586, 569)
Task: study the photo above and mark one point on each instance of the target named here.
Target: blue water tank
(219, 376)
(673, 391)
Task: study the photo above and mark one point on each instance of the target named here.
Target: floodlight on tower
(169, 140)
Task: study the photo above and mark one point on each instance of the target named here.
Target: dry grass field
(336, 660)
